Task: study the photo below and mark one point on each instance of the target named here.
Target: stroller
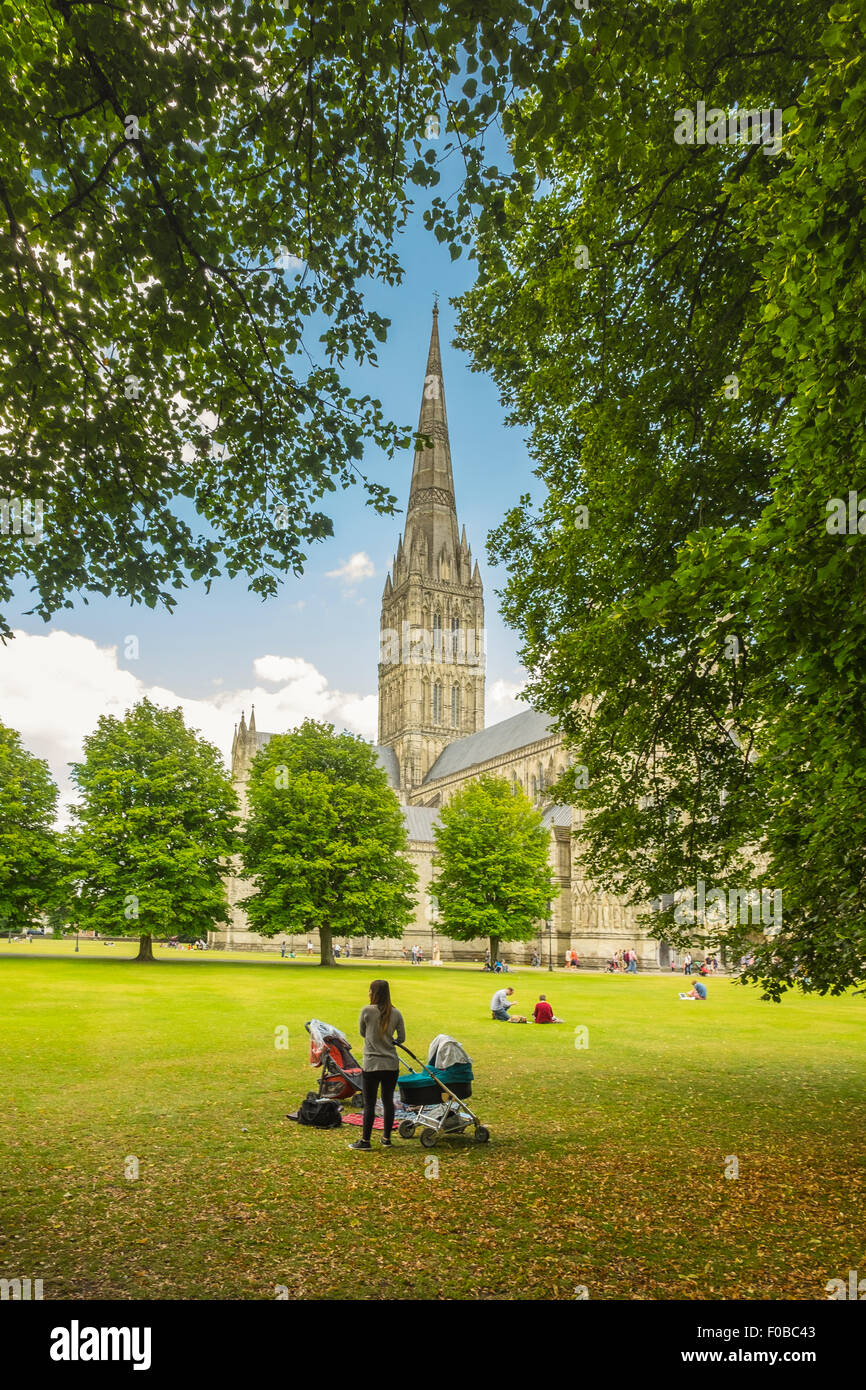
(436, 1095)
(330, 1050)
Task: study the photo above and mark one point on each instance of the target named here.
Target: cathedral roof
(506, 737)
(420, 822)
(388, 759)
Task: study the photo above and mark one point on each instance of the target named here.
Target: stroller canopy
(445, 1051)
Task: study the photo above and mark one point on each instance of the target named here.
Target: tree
(492, 876)
(202, 189)
(30, 877)
(155, 826)
(679, 327)
(325, 840)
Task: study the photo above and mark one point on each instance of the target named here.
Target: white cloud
(503, 700)
(53, 688)
(359, 566)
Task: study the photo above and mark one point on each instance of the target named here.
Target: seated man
(697, 991)
(499, 1007)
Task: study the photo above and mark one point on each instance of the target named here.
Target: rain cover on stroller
(318, 1032)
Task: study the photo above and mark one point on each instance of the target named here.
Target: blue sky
(206, 651)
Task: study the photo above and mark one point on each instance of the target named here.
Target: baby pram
(330, 1050)
(437, 1094)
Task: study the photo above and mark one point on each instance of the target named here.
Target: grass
(605, 1168)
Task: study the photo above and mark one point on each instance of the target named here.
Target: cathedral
(432, 737)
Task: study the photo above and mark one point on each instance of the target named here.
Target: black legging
(371, 1081)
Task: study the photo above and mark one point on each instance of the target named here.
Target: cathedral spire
(431, 667)
(432, 512)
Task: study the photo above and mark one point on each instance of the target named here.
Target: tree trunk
(145, 948)
(327, 946)
(494, 950)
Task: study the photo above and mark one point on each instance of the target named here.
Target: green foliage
(29, 857)
(154, 828)
(325, 840)
(701, 640)
(179, 299)
(492, 877)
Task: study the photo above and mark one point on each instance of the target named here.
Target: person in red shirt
(542, 1013)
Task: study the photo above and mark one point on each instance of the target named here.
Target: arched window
(455, 706)
(534, 788)
(541, 779)
(455, 639)
(437, 703)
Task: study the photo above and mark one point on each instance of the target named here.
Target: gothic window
(455, 639)
(437, 636)
(540, 779)
(455, 706)
(534, 788)
(437, 703)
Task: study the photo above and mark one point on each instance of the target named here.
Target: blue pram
(437, 1095)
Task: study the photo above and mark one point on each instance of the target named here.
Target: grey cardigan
(380, 1053)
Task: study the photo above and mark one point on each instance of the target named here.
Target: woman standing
(380, 1025)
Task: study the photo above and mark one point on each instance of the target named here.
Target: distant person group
(624, 962)
(499, 967)
(710, 966)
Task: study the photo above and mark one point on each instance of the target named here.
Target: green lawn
(605, 1167)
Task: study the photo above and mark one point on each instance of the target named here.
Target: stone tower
(431, 645)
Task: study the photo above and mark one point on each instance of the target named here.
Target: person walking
(687, 963)
(381, 1026)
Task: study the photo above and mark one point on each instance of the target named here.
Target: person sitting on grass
(543, 1013)
(499, 1007)
(697, 991)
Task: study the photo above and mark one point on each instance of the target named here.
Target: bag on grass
(322, 1114)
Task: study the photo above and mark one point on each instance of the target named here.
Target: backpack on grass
(321, 1114)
